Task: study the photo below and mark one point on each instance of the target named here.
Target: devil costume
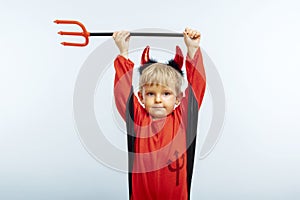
(161, 152)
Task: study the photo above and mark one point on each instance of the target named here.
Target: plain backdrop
(254, 44)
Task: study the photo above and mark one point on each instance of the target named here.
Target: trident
(178, 166)
(87, 34)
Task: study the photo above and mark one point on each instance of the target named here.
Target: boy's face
(159, 100)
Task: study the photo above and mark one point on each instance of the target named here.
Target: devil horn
(179, 57)
(145, 56)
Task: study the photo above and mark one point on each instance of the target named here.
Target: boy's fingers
(121, 36)
(187, 29)
(196, 34)
(126, 34)
(193, 34)
(115, 35)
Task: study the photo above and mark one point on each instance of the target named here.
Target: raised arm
(194, 65)
(124, 69)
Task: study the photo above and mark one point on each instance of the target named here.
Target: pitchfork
(87, 34)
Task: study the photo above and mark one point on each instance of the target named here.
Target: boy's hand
(121, 39)
(192, 41)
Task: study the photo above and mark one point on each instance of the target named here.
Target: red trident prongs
(87, 34)
(84, 33)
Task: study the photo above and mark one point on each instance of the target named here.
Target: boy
(162, 131)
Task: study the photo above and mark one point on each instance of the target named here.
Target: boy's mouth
(157, 107)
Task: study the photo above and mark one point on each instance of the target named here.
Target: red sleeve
(196, 78)
(123, 83)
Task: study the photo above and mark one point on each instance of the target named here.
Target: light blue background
(254, 44)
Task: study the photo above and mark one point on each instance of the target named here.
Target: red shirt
(161, 165)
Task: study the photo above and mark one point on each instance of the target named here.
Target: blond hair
(161, 74)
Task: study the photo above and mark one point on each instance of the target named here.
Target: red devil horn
(145, 56)
(179, 57)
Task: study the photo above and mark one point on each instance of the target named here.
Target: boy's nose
(157, 99)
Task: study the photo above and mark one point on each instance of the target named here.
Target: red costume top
(161, 152)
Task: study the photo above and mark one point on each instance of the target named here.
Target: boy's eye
(167, 93)
(149, 93)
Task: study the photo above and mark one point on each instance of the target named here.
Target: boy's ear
(179, 98)
(141, 96)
